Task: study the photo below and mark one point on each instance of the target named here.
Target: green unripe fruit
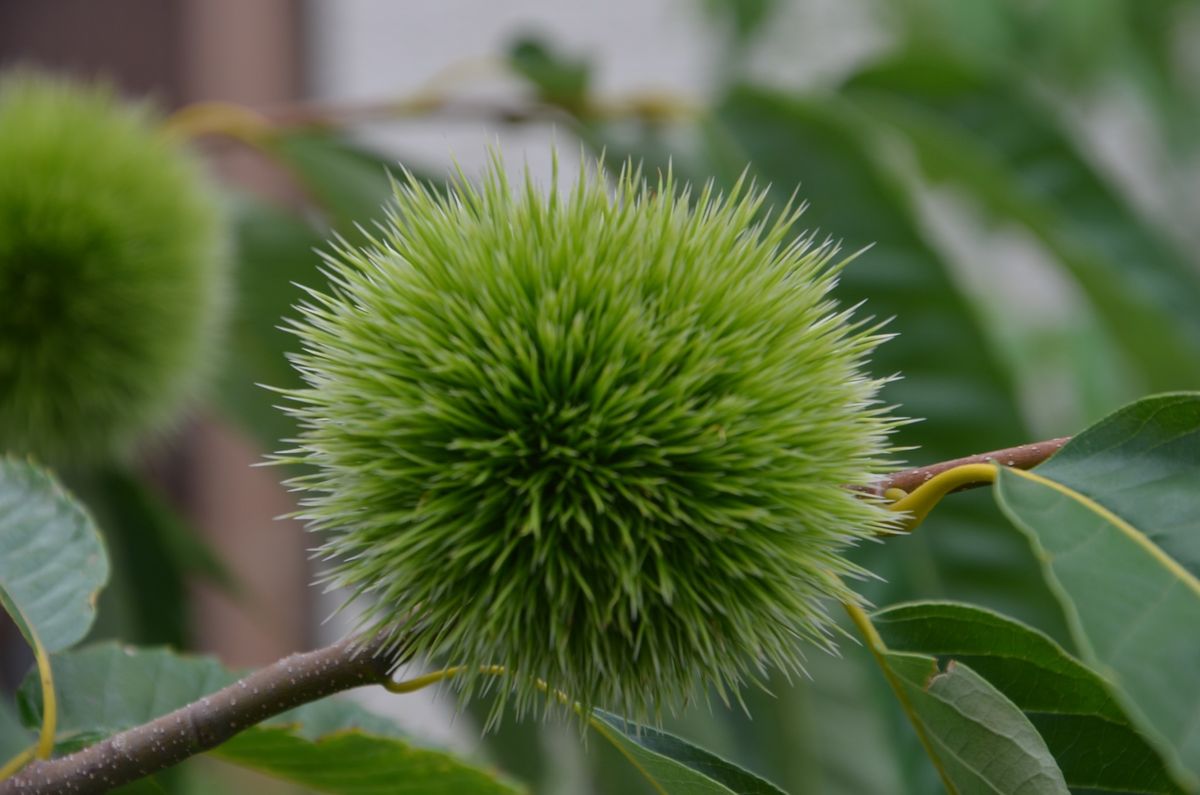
(601, 437)
(111, 271)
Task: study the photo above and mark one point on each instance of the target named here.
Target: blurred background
(1025, 172)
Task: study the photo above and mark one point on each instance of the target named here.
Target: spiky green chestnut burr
(600, 437)
(111, 274)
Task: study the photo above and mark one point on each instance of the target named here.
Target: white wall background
(365, 50)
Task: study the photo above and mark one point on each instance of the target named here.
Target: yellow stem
(17, 762)
(419, 682)
(45, 744)
(879, 651)
(422, 682)
(217, 118)
(922, 499)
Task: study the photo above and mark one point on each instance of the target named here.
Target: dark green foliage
(559, 80)
(111, 276)
(601, 439)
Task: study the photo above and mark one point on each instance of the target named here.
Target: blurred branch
(244, 123)
(301, 678)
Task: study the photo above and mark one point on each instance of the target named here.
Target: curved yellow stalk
(212, 118)
(921, 500)
(420, 682)
(45, 743)
(17, 762)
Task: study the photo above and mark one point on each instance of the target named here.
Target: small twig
(244, 123)
(205, 724)
(322, 114)
(301, 678)
(1025, 456)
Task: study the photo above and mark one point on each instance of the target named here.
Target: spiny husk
(600, 436)
(112, 274)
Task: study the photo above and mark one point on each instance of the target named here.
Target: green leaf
(354, 763)
(981, 742)
(52, 559)
(14, 737)
(1084, 728)
(145, 786)
(153, 555)
(349, 182)
(276, 252)
(559, 80)
(827, 734)
(1113, 519)
(331, 745)
(983, 132)
(744, 18)
(675, 766)
(1142, 462)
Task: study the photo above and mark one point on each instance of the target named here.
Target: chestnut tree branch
(1025, 456)
(301, 678)
(208, 722)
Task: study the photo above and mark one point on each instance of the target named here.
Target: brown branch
(301, 678)
(1025, 456)
(205, 724)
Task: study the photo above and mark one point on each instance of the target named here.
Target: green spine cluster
(601, 436)
(112, 276)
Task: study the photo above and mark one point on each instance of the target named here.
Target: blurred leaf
(1158, 34)
(1068, 42)
(350, 183)
(1070, 706)
(153, 556)
(984, 30)
(331, 745)
(354, 763)
(52, 560)
(824, 734)
(674, 765)
(1115, 520)
(981, 742)
(14, 737)
(987, 135)
(746, 17)
(145, 786)
(276, 251)
(559, 80)
(523, 746)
